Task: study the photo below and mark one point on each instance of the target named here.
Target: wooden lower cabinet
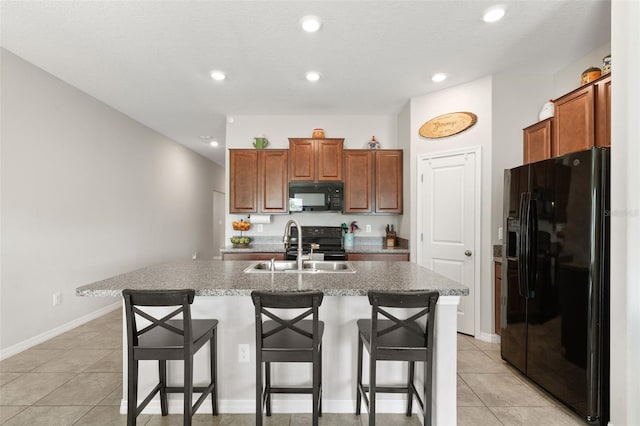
(393, 257)
(253, 256)
(537, 141)
(497, 302)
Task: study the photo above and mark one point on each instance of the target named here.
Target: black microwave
(316, 196)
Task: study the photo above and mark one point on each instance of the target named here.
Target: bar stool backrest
(413, 323)
(157, 298)
(265, 303)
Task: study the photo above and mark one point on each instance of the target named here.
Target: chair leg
(372, 390)
(267, 386)
(188, 390)
(320, 386)
(132, 392)
(427, 394)
(359, 377)
(410, 373)
(162, 373)
(315, 387)
(258, 389)
(214, 372)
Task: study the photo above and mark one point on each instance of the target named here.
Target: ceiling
(151, 60)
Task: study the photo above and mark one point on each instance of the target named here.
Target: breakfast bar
(222, 292)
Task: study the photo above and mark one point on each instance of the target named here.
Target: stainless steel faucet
(287, 238)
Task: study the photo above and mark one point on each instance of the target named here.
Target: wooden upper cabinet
(574, 128)
(243, 181)
(315, 159)
(258, 181)
(329, 159)
(358, 181)
(388, 175)
(373, 181)
(273, 180)
(537, 141)
(603, 111)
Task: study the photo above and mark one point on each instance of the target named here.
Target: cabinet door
(573, 126)
(243, 181)
(358, 181)
(329, 159)
(537, 141)
(603, 112)
(388, 181)
(272, 182)
(302, 161)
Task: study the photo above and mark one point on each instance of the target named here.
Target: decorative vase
(260, 143)
(590, 74)
(318, 133)
(348, 240)
(547, 110)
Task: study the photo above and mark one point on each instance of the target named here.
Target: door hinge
(421, 237)
(422, 178)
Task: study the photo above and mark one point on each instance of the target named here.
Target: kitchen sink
(309, 266)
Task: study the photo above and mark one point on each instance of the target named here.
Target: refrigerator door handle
(523, 270)
(532, 243)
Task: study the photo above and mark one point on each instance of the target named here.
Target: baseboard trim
(247, 406)
(43, 337)
(489, 337)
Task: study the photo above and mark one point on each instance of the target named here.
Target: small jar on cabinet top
(318, 133)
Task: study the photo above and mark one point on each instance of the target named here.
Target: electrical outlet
(260, 228)
(243, 353)
(57, 299)
(367, 228)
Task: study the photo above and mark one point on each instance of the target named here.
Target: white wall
(356, 130)
(517, 98)
(473, 97)
(87, 193)
(568, 78)
(404, 142)
(625, 208)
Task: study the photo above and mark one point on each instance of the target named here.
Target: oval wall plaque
(447, 125)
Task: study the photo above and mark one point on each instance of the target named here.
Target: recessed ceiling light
(439, 77)
(493, 14)
(209, 139)
(218, 75)
(311, 24)
(313, 75)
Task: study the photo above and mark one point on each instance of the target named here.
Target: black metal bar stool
(287, 340)
(167, 339)
(397, 339)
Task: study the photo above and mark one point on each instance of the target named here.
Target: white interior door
(447, 215)
(218, 223)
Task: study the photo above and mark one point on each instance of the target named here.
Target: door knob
(467, 252)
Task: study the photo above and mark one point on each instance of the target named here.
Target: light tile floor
(53, 384)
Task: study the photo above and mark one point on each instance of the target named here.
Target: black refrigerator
(555, 278)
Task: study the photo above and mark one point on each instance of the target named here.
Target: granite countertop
(279, 248)
(227, 278)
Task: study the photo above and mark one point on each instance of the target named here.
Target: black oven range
(326, 239)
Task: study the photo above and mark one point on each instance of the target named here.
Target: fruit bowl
(241, 226)
(240, 242)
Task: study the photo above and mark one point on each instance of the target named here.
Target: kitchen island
(222, 289)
